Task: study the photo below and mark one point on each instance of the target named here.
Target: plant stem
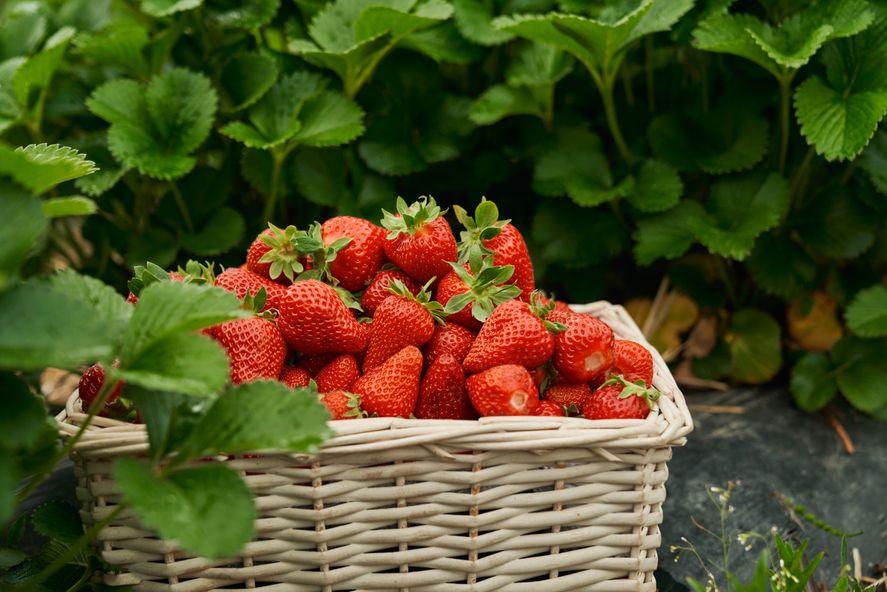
(648, 71)
(353, 85)
(63, 559)
(785, 91)
(279, 156)
(605, 86)
(104, 393)
(799, 179)
(183, 207)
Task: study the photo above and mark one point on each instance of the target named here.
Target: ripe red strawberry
(451, 339)
(401, 320)
(568, 394)
(420, 241)
(485, 234)
(274, 254)
(342, 405)
(633, 361)
(516, 333)
(377, 291)
(584, 352)
(359, 260)
(314, 320)
(91, 384)
(469, 296)
(254, 346)
(314, 364)
(549, 408)
(391, 390)
(503, 390)
(240, 281)
(294, 376)
(619, 399)
(339, 375)
(442, 394)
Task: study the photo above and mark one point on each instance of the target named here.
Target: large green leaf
(874, 161)
(245, 78)
(169, 416)
(123, 47)
(187, 363)
(207, 509)
(329, 119)
(657, 187)
(161, 8)
(167, 308)
(756, 346)
(102, 298)
(867, 313)
(474, 19)
(780, 266)
(500, 101)
(279, 419)
(39, 167)
(222, 231)
(840, 113)
(574, 159)
(833, 223)
(41, 327)
(863, 371)
(562, 229)
(38, 70)
(239, 14)
(24, 415)
(738, 211)
(812, 382)
(73, 205)
(666, 235)
(25, 226)
(21, 30)
(538, 65)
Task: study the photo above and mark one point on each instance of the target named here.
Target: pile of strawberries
(403, 320)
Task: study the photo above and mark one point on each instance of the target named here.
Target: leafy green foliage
(867, 314)
(755, 345)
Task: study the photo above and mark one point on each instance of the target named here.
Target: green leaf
(169, 417)
(738, 211)
(474, 19)
(812, 382)
(780, 266)
(8, 557)
(167, 308)
(863, 372)
(74, 205)
(874, 161)
(839, 114)
(9, 480)
(222, 232)
(329, 119)
(10, 110)
(207, 509)
(500, 101)
(182, 105)
(835, 224)
(756, 346)
(588, 193)
(666, 235)
(442, 43)
(538, 65)
(160, 8)
(41, 327)
(561, 230)
(122, 47)
(100, 297)
(57, 520)
(867, 313)
(21, 30)
(244, 15)
(576, 156)
(658, 187)
(38, 70)
(84, 15)
(320, 177)
(279, 419)
(246, 78)
(187, 363)
(25, 226)
(40, 167)
(24, 415)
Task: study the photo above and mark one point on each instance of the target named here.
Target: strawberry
(391, 390)
(401, 320)
(549, 408)
(450, 339)
(314, 364)
(442, 394)
(583, 352)
(357, 262)
(633, 361)
(338, 375)
(294, 376)
(377, 291)
(503, 390)
(149, 273)
(568, 394)
(314, 320)
(91, 384)
(559, 305)
(419, 241)
(542, 376)
(516, 333)
(240, 281)
(255, 348)
(342, 405)
(470, 295)
(620, 399)
(485, 234)
(274, 254)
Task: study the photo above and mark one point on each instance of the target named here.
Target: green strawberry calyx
(256, 302)
(542, 306)
(198, 273)
(486, 288)
(638, 388)
(309, 244)
(483, 226)
(194, 272)
(409, 219)
(283, 254)
(423, 297)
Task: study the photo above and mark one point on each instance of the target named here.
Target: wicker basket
(504, 503)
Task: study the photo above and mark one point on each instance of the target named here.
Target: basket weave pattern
(537, 504)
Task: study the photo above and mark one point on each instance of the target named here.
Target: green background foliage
(731, 147)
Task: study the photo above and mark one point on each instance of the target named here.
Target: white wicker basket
(503, 503)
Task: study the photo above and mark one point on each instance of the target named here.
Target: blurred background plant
(644, 147)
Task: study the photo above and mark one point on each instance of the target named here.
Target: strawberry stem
(409, 219)
(637, 388)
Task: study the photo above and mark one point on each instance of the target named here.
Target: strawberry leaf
(666, 235)
(246, 78)
(474, 19)
(122, 47)
(39, 167)
(38, 70)
(867, 313)
(161, 8)
(863, 372)
(22, 30)
(538, 65)
(575, 160)
(500, 101)
(780, 266)
(187, 363)
(755, 345)
(209, 495)
(658, 187)
(836, 224)
(25, 227)
(329, 119)
(74, 205)
(24, 416)
(243, 15)
(874, 161)
(222, 232)
(441, 43)
(812, 382)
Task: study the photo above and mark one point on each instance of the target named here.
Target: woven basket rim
(667, 425)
